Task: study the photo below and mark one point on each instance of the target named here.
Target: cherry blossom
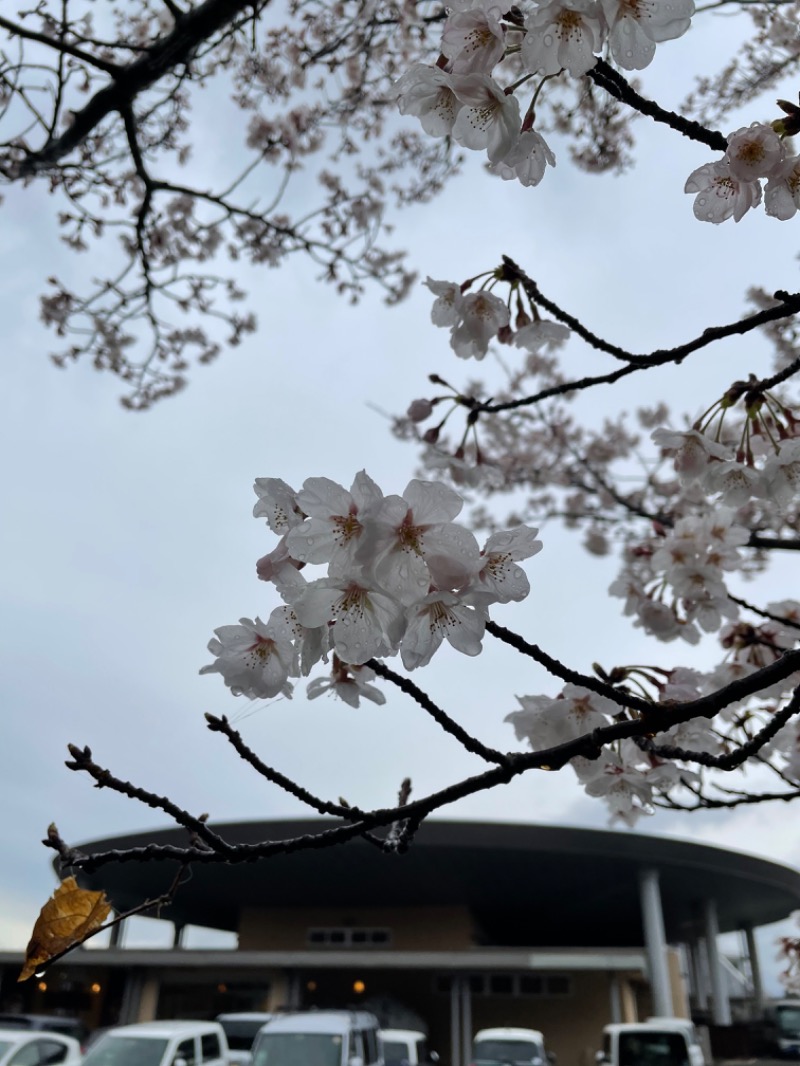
(500, 6)
(427, 93)
(414, 542)
(636, 26)
(782, 192)
(254, 658)
(720, 194)
(334, 527)
(527, 160)
(437, 617)
(754, 152)
(349, 683)
(542, 336)
(546, 722)
(563, 34)
(693, 451)
(481, 315)
(364, 621)
(446, 308)
(781, 475)
(473, 40)
(499, 578)
(622, 785)
(489, 117)
(277, 502)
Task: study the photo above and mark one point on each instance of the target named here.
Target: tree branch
(160, 60)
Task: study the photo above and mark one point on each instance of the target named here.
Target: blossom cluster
(401, 577)
(476, 318)
(730, 187)
(764, 468)
(673, 582)
(461, 98)
(629, 778)
(623, 776)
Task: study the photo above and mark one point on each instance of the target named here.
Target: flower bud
(419, 410)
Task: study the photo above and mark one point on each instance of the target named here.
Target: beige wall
(680, 999)
(148, 1003)
(572, 1025)
(412, 928)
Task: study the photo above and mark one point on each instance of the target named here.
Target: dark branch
(444, 720)
(163, 58)
(222, 725)
(615, 85)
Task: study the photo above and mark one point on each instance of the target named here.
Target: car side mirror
(356, 1060)
(600, 1057)
(180, 1061)
(434, 1057)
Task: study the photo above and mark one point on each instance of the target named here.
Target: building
(479, 924)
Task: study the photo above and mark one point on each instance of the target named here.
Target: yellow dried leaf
(70, 916)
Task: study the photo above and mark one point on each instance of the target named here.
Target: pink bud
(419, 410)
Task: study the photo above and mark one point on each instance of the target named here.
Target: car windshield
(298, 1049)
(518, 1052)
(395, 1052)
(113, 1050)
(241, 1033)
(652, 1049)
(5, 1045)
(789, 1019)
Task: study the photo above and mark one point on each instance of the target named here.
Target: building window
(530, 985)
(558, 985)
(347, 937)
(501, 984)
(541, 986)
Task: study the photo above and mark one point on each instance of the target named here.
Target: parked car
(36, 1047)
(406, 1047)
(52, 1023)
(782, 1028)
(511, 1047)
(645, 1044)
(241, 1029)
(697, 1056)
(319, 1038)
(172, 1043)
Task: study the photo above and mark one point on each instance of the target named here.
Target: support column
(755, 972)
(455, 1021)
(148, 999)
(720, 1004)
(130, 1007)
(115, 939)
(615, 999)
(697, 956)
(655, 942)
(466, 1021)
(293, 988)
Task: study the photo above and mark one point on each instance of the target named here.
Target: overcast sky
(129, 537)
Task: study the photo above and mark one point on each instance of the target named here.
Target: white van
(697, 1056)
(319, 1038)
(663, 1042)
(241, 1028)
(173, 1043)
(406, 1047)
(518, 1047)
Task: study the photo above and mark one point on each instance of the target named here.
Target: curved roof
(529, 885)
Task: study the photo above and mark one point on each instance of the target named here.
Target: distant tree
(100, 109)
